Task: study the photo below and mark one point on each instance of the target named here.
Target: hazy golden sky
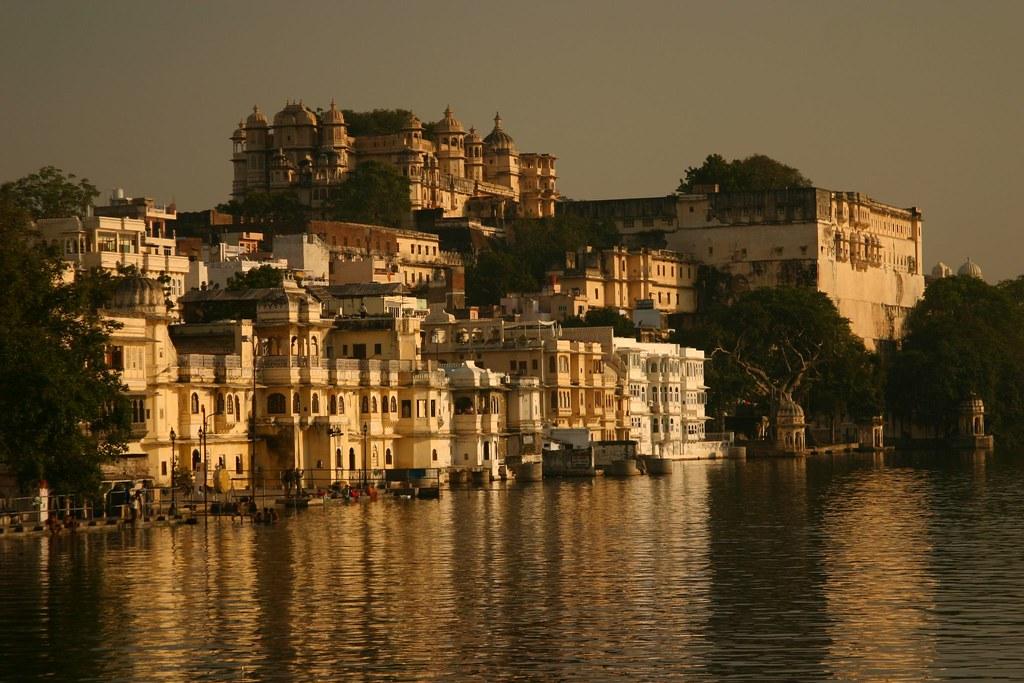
(914, 103)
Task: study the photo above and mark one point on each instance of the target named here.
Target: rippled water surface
(851, 567)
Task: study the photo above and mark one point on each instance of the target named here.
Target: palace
(450, 169)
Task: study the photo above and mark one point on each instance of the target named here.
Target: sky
(913, 103)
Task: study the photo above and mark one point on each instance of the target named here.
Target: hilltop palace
(449, 168)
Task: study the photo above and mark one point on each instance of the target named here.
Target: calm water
(853, 567)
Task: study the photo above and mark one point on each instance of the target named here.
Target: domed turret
(333, 116)
(138, 294)
(971, 269)
(239, 134)
(498, 138)
(256, 118)
(449, 124)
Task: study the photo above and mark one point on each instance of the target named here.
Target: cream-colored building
(864, 254)
(111, 244)
(448, 167)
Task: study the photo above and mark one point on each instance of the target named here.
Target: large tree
(965, 336)
(62, 412)
(264, 277)
(376, 122)
(603, 317)
(773, 345)
(754, 173)
(50, 193)
(519, 262)
(372, 193)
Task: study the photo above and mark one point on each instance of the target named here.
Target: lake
(902, 567)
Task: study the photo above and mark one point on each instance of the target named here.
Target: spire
(447, 111)
(332, 104)
(497, 121)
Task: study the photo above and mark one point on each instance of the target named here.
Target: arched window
(195, 404)
(296, 404)
(238, 408)
(373, 403)
(295, 346)
(316, 404)
(387, 456)
(366, 404)
(384, 405)
(351, 458)
(230, 405)
(196, 460)
(394, 405)
(332, 405)
(341, 404)
(337, 458)
(315, 346)
(276, 404)
(433, 454)
(487, 450)
(238, 464)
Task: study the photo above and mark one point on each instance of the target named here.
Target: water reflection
(859, 567)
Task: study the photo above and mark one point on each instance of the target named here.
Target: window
(230, 406)
(387, 456)
(316, 404)
(296, 404)
(487, 450)
(195, 404)
(196, 460)
(238, 464)
(163, 467)
(365, 406)
(384, 405)
(341, 404)
(332, 405)
(433, 408)
(373, 404)
(276, 404)
(114, 357)
(406, 408)
(220, 404)
(376, 349)
(394, 405)
(138, 410)
(433, 454)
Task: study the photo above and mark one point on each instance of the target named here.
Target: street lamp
(203, 442)
(174, 489)
(252, 420)
(333, 432)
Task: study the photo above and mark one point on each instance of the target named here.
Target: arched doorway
(352, 459)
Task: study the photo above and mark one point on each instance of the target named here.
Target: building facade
(449, 168)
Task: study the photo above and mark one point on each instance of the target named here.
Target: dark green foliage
(372, 193)
(756, 172)
(62, 412)
(531, 247)
(279, 211)
(50, 193)
(603, 317)
(786, 342)
(376, 122)
(264, 277)
(963, 336)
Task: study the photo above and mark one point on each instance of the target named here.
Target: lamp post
(252, 421)
(333, 432)
(174, 489)
(202, 447)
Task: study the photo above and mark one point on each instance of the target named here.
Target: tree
(281, 211)
(603, 317)
(50, 193)
(372, 193)
(376, 122)
(62, 412)
(965, 336)
(769, 346)
(520, 261)
(264, 277)
(755, 173)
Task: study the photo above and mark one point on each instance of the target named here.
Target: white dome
(941, 270)
(971, 269)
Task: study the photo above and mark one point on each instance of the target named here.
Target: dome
(333, 116)
(971, 269)
(138, 294)
(256, 118)
(790, 412)
(941, 270)
(449, 124)
(472, 137)
(498, 138)
(294, 114)
(239, 133)
(413, 123)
